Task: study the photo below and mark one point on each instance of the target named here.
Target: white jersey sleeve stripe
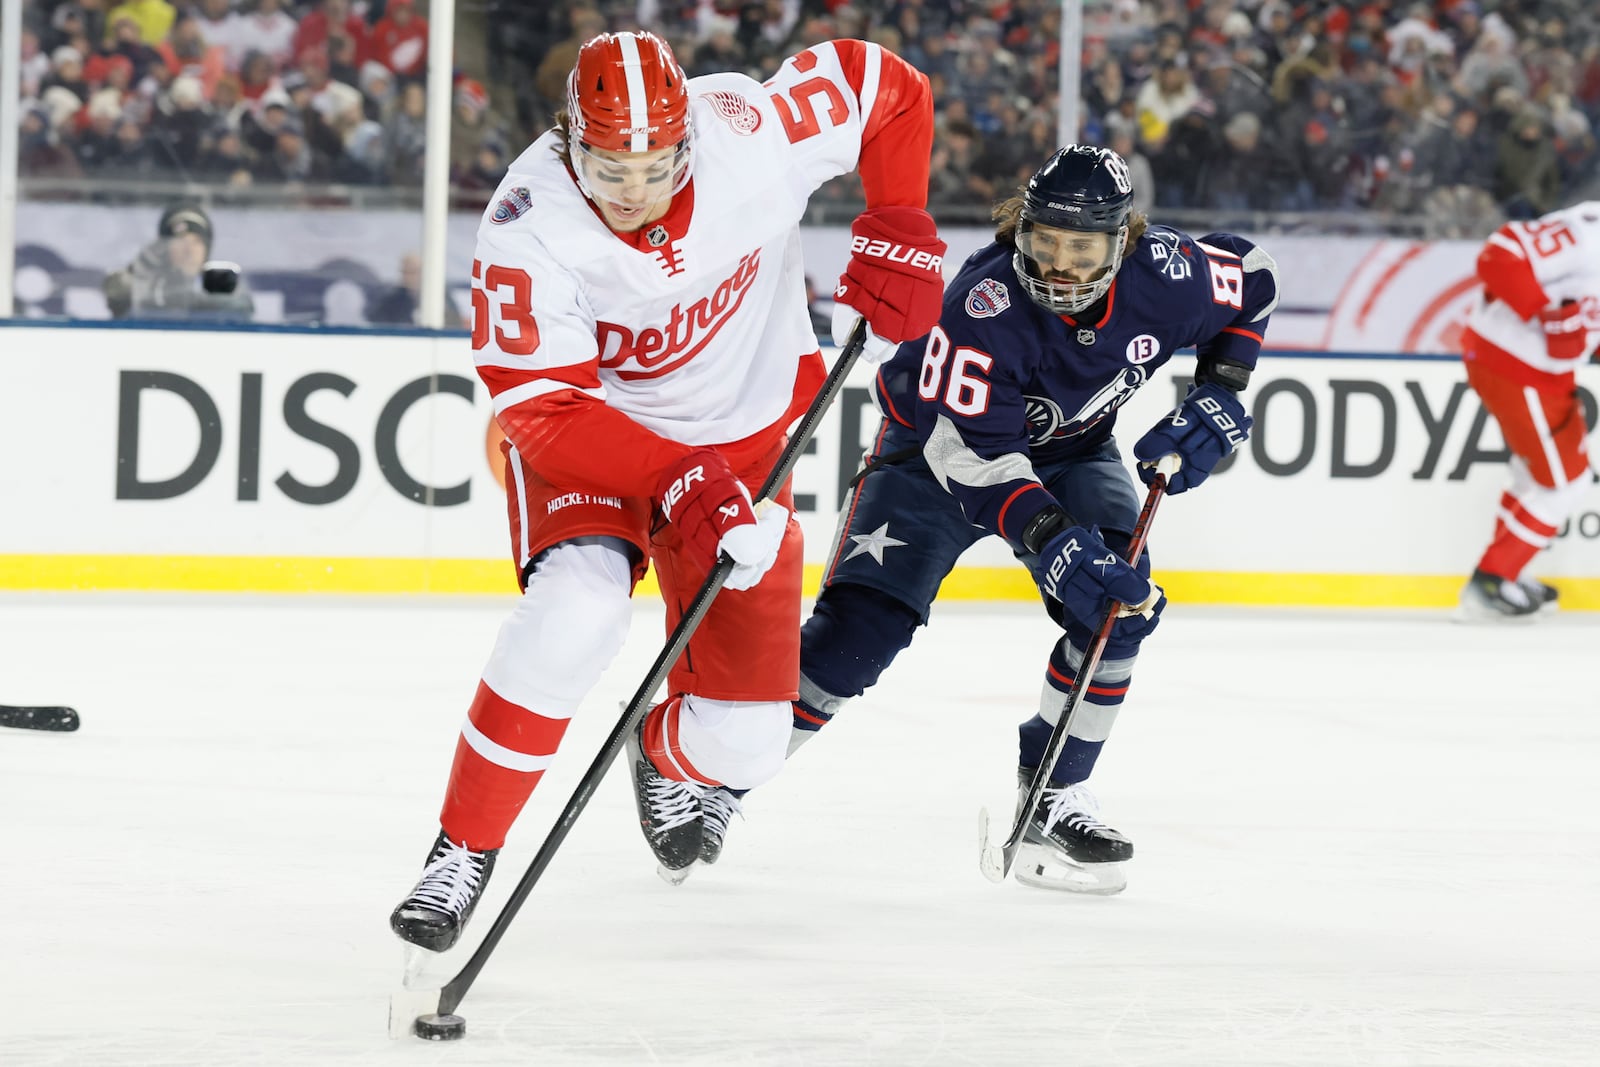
(1500, 240)
(869, 84)
(533, 390)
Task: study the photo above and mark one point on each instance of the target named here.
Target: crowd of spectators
(1455, 109)
(239, 93)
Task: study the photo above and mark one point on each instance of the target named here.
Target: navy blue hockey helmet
(1080, 191)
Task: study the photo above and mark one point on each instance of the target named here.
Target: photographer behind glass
(172, 277)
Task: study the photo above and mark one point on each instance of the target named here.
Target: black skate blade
(50, 718)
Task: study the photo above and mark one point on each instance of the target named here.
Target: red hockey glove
(711, 509)
(1565, 334)
(895, 277)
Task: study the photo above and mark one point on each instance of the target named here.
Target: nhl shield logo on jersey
(987, 299)
(735, 110)
(514, 203)
(657, 236)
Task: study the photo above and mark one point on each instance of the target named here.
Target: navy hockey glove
(1085, 575)
(1208, 425)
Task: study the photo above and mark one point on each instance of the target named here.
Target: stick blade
(991, 858)
(406, 1006)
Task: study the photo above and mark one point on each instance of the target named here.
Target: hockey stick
(23, 717)
(995, 861)
(415, 1006)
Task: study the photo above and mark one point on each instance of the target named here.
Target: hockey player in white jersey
(640, 320)
(1536, 318)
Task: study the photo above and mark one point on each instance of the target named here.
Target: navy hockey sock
(1096, 715)
(853, 634)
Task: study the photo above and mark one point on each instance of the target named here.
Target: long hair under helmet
(626, 93)
(1083, 189)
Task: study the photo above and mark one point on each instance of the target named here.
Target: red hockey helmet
(628, 96)
(627, 93)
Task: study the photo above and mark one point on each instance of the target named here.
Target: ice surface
(1362, 839)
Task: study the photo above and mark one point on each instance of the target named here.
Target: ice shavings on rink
(1387, 853)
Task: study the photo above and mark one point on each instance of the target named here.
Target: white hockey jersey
(609, 355)
(1526, 267)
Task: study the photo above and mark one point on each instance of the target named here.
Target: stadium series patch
(514, 203)
(987, 299)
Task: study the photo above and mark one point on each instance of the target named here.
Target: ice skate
(436, 911)
(669, 814)
(1490, 598)
(1066, 846)
(1541, 593)
(718, 806)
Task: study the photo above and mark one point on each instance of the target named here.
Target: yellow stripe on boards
(456, 577)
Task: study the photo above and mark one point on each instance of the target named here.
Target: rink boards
(284, 460)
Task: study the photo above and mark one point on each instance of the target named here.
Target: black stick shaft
(456, 989)
(1080, 688)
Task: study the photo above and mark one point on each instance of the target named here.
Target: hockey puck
(440, 1027)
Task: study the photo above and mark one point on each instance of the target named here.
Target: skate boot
(437, 910)
(1540, 593)
(669, 814)
(1066, 846)
(1489, 598)
(718, 806)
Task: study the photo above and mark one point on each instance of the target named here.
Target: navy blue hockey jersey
(1000, 382)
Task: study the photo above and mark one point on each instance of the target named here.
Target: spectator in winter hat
(472, 99)
(364, 157)
(173, 277)
(40, 150)
(66, 70)
(260, 128)
(60, 104)
(96, 144)
(128, 42)
(1527, 167)
(68, 23)
(377, 86)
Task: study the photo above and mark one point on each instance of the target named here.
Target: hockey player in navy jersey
(1000, 422)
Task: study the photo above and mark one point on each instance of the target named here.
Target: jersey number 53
(501, 297)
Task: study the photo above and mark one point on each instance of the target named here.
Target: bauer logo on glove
(916, 258)
(1206, 427)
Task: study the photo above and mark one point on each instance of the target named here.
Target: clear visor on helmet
(1065, 271)
(631, 180)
